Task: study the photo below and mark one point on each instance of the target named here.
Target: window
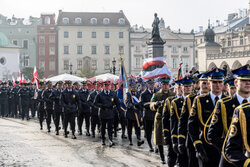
(93, 21)
(229, 42)
(26, 60)
(106, 21)
(51, 39)
(106, 35)
(94, 65)
(41, 51)
(174, 49)
(66, 50)
(137, 62)
(93, 34)
(14, 42)
(42, 64)
(174, 62)
(79, 64)
(201, 40)
(185, 63)
(79, 49)
(66, 64)
(25, 44)
(93, 50)
(66, 34)
(121, 49)
(78, 20)
(52, 65)
(41, 39)
(241, 40)
(106, 65)
(51, 50)
(106, 50)
(121, 21)
(79, 34)
(65, 20)
(120, 34)
(137, 48)
(185, 49)
(47, 20)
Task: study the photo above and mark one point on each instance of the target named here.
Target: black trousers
(49, 116)
(25, 111)
(11, 106)
(130, 125)
(32, 107)
(17, 106)
(95, 122)
(224, 163)
(122, 120)
(149, 124)
(69, 117)
(41, 115)
(104, 124)
(4, 107)
(80, 119)
(116, 122)
(192, 160)
(57, 116)
(161, 151)
(171, 156)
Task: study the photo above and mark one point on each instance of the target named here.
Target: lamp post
(114, 62)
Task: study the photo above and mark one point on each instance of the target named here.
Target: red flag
(35, 75)
(20, 78)
(180, 72)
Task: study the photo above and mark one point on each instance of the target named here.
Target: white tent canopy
(64, 77)
(104, 77)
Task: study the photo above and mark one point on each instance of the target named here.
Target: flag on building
(35, 75)
(180, 71)
(154, 68)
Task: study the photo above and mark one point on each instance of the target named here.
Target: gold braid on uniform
(175, 109)
(224, 115)
(200, 112)
(243, 126)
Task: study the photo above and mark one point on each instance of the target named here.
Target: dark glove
(137, 105)
(181, 148)
(175, 148)
(157, 104)
(201, 153)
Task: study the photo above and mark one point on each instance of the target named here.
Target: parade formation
(196, 120)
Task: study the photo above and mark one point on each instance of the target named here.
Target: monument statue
(155, 25)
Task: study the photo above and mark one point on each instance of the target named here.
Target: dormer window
(65, 20)
(78, 20)
(121, 21)
(93, 21)
(106, 21)
(47, 20)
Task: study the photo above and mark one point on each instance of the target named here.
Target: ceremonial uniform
(25, 95)
(47, 97)
(32, 101)
(17, 100)
(41, 108)
(3, 100)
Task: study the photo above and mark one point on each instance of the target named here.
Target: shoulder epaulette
(225, 99)
(191, 95)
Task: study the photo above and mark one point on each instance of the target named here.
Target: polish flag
(13, 80)
(180, 72)
(20, 77)
(35, 75)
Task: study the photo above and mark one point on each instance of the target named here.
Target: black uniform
(40, 107)
(95, 120)
(175, 112)
(148, 115)
(221, 120)
(83, 111)
(4, 101)
(69, 102)
(236, 148)
(32, 102)
(11, 102)
(184, 141)
(201, 110)
(47, 97)
(17, 101)
(25, 95)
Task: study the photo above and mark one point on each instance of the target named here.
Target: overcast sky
(183, 14)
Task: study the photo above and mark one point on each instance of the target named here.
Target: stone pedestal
(155, 50)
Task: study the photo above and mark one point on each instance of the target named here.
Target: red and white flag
(180, 72)
(35, 75)
(154, 68)
(20, 77)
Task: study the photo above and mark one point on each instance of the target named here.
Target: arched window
(65, 20)
(121, 21)
(78, 20)
(93, 21)
(106, 21)
(47, 20)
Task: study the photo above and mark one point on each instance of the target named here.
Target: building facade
(22, 33)
(88, 40)
(179, 47)
(47, 56)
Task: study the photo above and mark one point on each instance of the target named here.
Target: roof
(4, 41)
(86, 18)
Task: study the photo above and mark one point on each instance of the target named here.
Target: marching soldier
(116, 112)
(69, 102)
(41, 113)
(25, 95)
(57, 98)
(32, 101)
(17, 100)
(84, 109)
(95, 120)
(49, 108)
(201, 111)
(158, 100)
(236, 148)
(148, 115)
(223, 113)
(105, 100)
(232, 88)
(11, 100)
(184, 141)
(3, 100)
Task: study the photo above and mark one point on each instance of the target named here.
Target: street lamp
(114, 62)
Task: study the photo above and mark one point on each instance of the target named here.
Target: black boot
(124, 136)
(57, 132)
(87, 133)
(111, 143)
(103, 142)
(73, 136)
(140, 142)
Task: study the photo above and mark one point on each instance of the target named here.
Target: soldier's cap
(29, 83)
(68, 82)
(216, 74)
(16, 82)
(151, 82)
(95, 83)
(10, 84)
(164, 80)
(59, 82)
(230, 82)
(242, 73)
(140, 80)
(203, 77)
(107, 83)
(48, 82)
(75, 83)
(84, 82)
(187, 80)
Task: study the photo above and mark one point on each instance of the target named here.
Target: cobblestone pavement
(22, 143)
